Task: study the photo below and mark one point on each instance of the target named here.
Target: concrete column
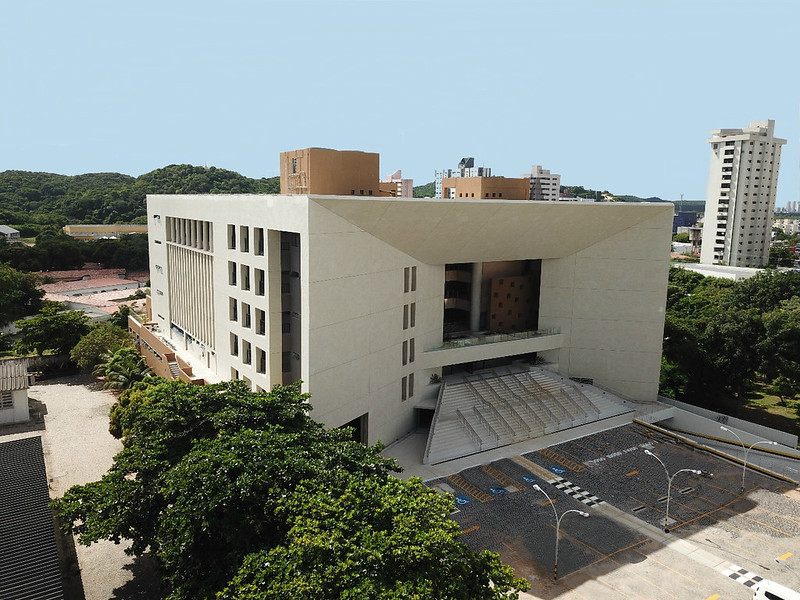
(475, 297)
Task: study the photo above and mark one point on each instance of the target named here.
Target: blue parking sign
(529, 479)
(558, 470)
(498, 490)
(462, 500)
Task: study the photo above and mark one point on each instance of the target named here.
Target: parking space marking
(713, 597)
(472, 489)
(786, 555)
(562, 460)
(743, 576)
(631, 473)
(471, 529)
(509, 483)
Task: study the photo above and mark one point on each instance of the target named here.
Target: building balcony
(477, 347)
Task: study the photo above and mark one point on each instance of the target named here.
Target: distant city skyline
(612, 96)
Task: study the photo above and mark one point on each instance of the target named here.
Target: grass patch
(759, 406)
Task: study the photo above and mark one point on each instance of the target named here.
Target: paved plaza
(721, 541)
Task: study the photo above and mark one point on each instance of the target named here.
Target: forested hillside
(28, 200)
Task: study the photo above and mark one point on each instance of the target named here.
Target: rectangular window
(259, 241)
(245, 315)
(404, 388)
(234, 345)
(413, 279)
(405, 316)
(260, 279)
(406, 279)
(234, 374)
(405, 352)
(411, 350)
(231, 273)
(261, 322)
(247, 352)
(410, 385)
(6, 400)
(244, 238)
(245, 277)
(231, 237)
(413, 320)
(234, 309)
(261, 361)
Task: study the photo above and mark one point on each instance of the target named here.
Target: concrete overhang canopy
(436, 231)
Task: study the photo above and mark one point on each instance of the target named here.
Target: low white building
(370, 300)
(13, 390)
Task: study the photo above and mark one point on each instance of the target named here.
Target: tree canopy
(52, 329)
(19, 294)
(102, 339)
(240, 494)
(47, 198)
(724, 335)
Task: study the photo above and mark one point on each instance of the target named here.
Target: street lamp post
(782, 562)
(558, 524)
(746, 449)
(669, 485)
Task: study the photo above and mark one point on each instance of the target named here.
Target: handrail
(495, 338)
(470, 429)
(482, 420)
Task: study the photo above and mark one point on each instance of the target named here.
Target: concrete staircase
(501, 406)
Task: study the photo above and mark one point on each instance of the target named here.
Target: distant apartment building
(740, 204)
(102, 232)
(466, 168)
(544, 186)
(403, 188)
(788, 226)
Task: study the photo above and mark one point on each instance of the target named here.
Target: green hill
(46, 198)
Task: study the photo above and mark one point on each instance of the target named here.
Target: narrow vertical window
(406, 279)
(413, 279)
(413, 320)
(411, 350)
(405, 352)
(405, 316)
(232, 237)
(404, 388)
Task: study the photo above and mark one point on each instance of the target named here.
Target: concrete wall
(505, 188)
(608, 300)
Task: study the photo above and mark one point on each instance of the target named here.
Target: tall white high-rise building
(740, 202)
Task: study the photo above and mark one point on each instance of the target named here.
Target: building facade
(466, 168)
(369, 300)
(544, 185)
(507, 188)
(102, 232)
(401, 188)
(14, 390)
(740, 202)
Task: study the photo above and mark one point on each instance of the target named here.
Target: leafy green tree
(780, 346)
(211, 475)
(377, 539)
(120, 317)
(52, 329)
(102, 339)
(122, 368)
(19, 294)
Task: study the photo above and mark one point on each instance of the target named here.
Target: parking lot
(721, 541)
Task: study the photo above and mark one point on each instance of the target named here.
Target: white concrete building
(370, 300)
(466, 168)
(788, 226)
(740, 203)
(545, 186)
(13, 390)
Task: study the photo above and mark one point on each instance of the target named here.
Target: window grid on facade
(258, 233)
(234, 309)
(231, 237)
(245, 315)
(247, 352)
(6, 400)
(189, 232)
(244, 238)
(234, 345)
(261, 322)
(245, 277)
(231, 273)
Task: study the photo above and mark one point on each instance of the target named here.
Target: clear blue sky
(616, 95)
